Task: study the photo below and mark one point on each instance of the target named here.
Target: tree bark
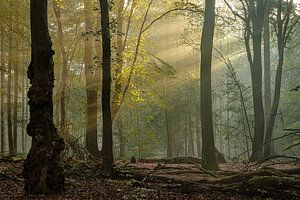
(23, 111)
(254, 21)
(2, 88)
(170, 151)
(42, 171)
(267, 66)
(267, 78)
(107, 142)
(121, 138)
(119, 66)
(191, 151)
(256, 75)
(9, 86)
(282, 37)
(91, 88)
(208, 143)
(91, 136)
(16, 82)
(64, 72)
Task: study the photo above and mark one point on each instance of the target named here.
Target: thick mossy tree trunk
(42, 171)
(107, 142)
(208, 144)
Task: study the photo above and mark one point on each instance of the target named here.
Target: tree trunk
(42, 171)
(16, 83)
(9, 86)
(121, 138)
(267, 66)
(191, 135)
(208, 143)
(198, 125)
(91, 88)
(253, 27)
(64, 72)
(256, 76)
(91, 131)
(107, 142)
(170, 152)
(119, 65)
(227, 117)
(199, 148)
(23, 110)
(2, 71)
(282, 37)
(27, 112)
(267, 80)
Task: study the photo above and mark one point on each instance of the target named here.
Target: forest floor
(87, 182)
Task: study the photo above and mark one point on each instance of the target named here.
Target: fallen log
(264, 182)
(174, 160)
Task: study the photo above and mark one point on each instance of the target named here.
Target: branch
(136, 52)
(234, 12)
(168, 12)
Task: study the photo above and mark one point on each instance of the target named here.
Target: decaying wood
(264, 181)
(175, 160)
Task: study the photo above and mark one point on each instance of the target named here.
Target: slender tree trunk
(256, 75)
(16, 83)
(121, 138)
(282, 36)
(118, 69)
(91, 137)
(107, 142)
(227, 116)
(186, 135)
(116, 106)
(228, 146)
(27, 113)
(2, 71)
(267, 78)
(64, 73)
(42, 171)
(168, 133)
(245, 133)
(208, 143)
(91, 88)
(256, 18)
(138, 135)
(267, 66)
(198, 123)
(191, 135)
(23, 110)
(9, 86)
(198, 133)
